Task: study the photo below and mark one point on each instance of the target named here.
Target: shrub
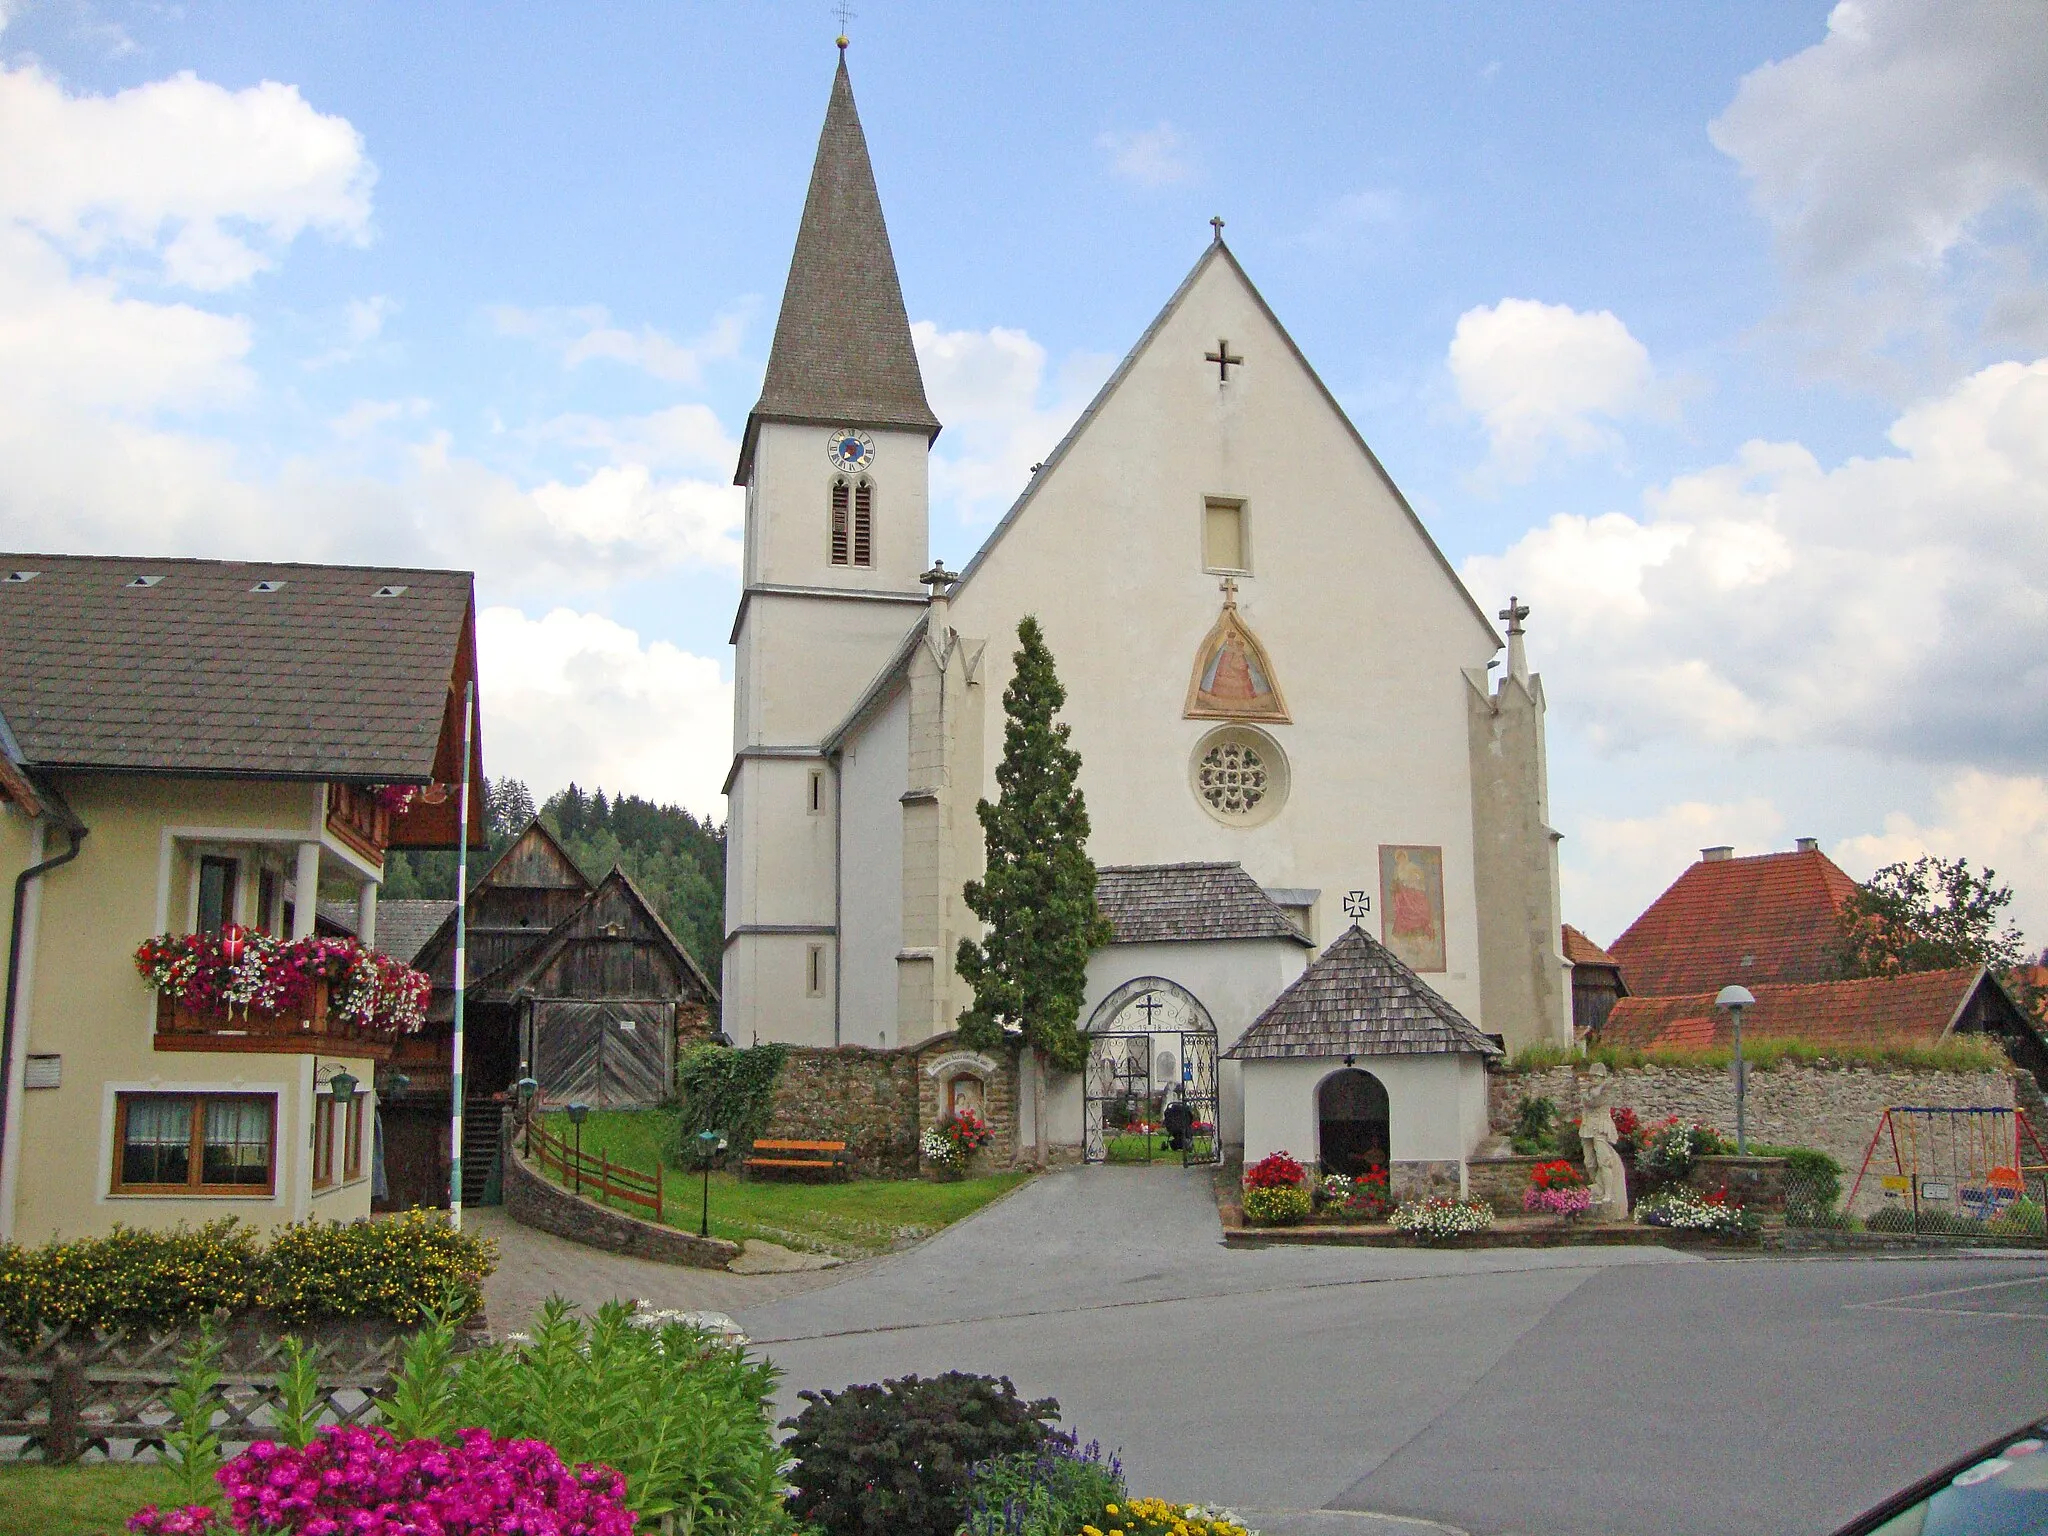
(1929, 1222)
(1275, 1171)
(391, 1269)
(727, 1089)
(1280, 1205)
(2023, 1218)
(1156, 1517)
(1439, 1218)
(1047, 1492)
(365, 1481)
(1668, 1149)
(1813, 1183)
(893, 1460)
(1535, 1128)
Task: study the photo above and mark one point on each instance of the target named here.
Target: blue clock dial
(850, 449)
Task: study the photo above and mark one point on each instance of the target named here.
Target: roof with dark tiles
(404, 924)
(842, 351)
(1359, 999)
(197, 672)
(1912, 1010)
(1187, 903)
(1766, 919)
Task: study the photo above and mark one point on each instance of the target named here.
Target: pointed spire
(842, 351)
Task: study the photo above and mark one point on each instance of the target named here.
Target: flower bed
(1440, 1218)
(215, 974)
(1557, 1188)
(952, 1143)
(1686, 1210)
(1343, 1198)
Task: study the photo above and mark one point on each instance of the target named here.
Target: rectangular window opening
(216, 893)
(864, 523)
(323, 1140)
(817, 791)
(182, 1143)
(1224, 548)
(814, 971)
(352, 1139)
(841, 493)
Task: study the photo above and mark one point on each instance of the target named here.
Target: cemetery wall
(878, 1100)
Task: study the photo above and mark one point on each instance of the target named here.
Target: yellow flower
(1110, 1508)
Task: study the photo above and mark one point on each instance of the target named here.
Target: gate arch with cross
(1151, 1043)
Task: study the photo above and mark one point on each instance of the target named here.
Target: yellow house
(203, 748)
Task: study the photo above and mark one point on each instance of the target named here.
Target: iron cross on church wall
(1224, 360)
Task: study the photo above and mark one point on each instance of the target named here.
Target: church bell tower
(834, 463)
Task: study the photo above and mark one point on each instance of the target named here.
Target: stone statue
(1596, 1140)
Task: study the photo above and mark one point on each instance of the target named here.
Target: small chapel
(1312, 780)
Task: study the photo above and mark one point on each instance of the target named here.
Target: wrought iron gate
(1119, 1091)
(1198, 1085)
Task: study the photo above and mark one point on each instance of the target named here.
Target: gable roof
(195, 672)
(615, 889)
(1359, 999)
(1765, 919)
(1917, 1009)
(1187, 903)
(1580, 950)
(1218, 251)
(842, 351)
(404, 924)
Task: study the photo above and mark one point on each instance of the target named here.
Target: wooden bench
(807, 1155)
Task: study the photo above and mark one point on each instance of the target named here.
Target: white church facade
(1281, 693)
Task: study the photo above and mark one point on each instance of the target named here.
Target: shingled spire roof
(1359, 999)
(842, 352)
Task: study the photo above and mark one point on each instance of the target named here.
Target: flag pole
(461, 968)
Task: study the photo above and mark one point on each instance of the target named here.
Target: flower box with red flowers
(243, 990)
(1275, 1171)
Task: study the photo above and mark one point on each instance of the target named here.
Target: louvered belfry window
(842, 494)
(864, 523)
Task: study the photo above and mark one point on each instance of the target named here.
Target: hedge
(395, 1268)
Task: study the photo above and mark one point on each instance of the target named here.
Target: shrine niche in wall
(1412, 905)
(1233, 680)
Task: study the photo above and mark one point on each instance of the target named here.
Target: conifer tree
(1037, 895)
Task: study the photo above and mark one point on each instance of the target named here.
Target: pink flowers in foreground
(352, 1481)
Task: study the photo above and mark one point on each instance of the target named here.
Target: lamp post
(578, 1113)
(709, 1145)
(1735, 999)
(526, 1088)
(342, 1084)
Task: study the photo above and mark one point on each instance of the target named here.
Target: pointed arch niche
(1232, 679)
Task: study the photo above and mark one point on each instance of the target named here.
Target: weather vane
(1356, 906)
(845, 13)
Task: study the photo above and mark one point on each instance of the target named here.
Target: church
(1316, 792)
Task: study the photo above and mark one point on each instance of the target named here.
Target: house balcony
(357, 819)
(313, 1027)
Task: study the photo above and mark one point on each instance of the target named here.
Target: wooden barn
(581, 987)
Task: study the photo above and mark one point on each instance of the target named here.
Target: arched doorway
(1352, 1122)
(1151, 1047)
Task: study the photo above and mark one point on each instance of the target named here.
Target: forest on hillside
(677, 860)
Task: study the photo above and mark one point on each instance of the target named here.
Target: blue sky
(1717, 332)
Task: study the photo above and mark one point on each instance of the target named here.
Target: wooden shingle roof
(1359, 999)
(184, 666)
(1187, 903)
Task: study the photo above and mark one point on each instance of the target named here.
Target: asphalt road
(1341, 1392)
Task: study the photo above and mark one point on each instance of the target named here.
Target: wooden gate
(610, 1055)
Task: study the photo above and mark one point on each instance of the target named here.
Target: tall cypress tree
(1037, 895)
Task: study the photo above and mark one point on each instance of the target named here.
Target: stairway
(480, 1121)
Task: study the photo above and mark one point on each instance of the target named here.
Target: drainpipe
(76, 830)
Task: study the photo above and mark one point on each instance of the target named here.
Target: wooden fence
(591, 1173)
(68, 1394)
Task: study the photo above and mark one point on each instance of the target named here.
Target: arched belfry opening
(1352, 1122)
(853, 520)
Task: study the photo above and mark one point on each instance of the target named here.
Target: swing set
(1955, 1163)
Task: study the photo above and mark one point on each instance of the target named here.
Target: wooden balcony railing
(354, 816)
(313, 1027)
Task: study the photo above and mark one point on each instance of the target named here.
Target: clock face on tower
(849, 448)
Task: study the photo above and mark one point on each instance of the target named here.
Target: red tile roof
(1768, 919)
(1915, 1010)
(1581, 950)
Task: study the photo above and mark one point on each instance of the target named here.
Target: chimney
(1809, 845)
(1716, 855)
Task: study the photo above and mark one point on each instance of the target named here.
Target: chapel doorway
(1352, 1122)
(1150, 1090)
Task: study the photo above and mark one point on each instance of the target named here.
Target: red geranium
(1626, 1122)
(1277, 1171)
(1557, 1174)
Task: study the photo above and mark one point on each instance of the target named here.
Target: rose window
(1233, 777)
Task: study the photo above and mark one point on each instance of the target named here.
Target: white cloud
(682, 436)
(579, 696)
(211, 180)
(1990, 819)
(1001, 411)
(586, 334)
(1542, 376)
(1903, 162)
(1614, 867)
(1152, 157)
(1897, 603)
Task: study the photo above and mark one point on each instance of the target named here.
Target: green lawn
(77, 1501)
(850, 1219)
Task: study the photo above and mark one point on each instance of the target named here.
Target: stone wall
(1755, 1182)
(1501, 1181)
(877, 1101)
(864, 1097)
(1833, 1109)
(534, 1201)
(1420, 1178)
